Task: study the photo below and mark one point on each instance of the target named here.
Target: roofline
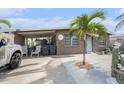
(42, 29)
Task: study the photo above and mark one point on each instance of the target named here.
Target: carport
(34, 37)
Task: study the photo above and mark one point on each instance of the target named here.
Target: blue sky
(22, 18)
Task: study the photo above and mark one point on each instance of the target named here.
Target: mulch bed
(84, 66)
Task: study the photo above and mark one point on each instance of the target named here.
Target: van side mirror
(3, 42)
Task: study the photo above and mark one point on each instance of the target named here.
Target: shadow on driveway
(26, 65)
(62, 56)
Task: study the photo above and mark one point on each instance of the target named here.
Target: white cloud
(39, 22)
(110, 24)
(7, 12)
(121, 11)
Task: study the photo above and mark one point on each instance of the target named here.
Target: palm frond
(83, 24)
(72, 30)
(120, 17)
(98, 14)
(84, 21)
(73, 23)
(97, 28)
(72, 27)
(80, 34)
(4, 21)
(119, 25)
(78, 25)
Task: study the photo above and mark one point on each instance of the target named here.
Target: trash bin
(45, 50)
(52, 49)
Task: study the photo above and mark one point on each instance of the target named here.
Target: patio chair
(24, 50)
(37, 51)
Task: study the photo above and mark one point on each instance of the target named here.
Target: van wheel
(15, 60)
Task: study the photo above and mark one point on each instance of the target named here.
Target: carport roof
(38, 32)
(39, 29)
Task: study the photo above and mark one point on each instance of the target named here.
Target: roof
(116, 36)
(40, 29)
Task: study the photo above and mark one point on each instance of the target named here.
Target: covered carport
(31, 37)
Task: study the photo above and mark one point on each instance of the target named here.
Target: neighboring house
(60, 38)
(117, 38)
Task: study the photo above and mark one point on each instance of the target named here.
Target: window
(102, 43)
(67, 41)
(71, 42)
(75, 41)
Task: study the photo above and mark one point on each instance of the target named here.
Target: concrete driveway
(50, 70)
(44, 70)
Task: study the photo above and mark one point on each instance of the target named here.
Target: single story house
(60, 37)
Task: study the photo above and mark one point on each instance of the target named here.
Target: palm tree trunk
(84, 48)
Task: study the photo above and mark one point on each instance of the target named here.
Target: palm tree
(84, 25)
(4, 21)
(120, 18)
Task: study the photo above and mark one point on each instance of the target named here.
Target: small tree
(84, 25)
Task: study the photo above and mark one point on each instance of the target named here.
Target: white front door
(89, 44)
